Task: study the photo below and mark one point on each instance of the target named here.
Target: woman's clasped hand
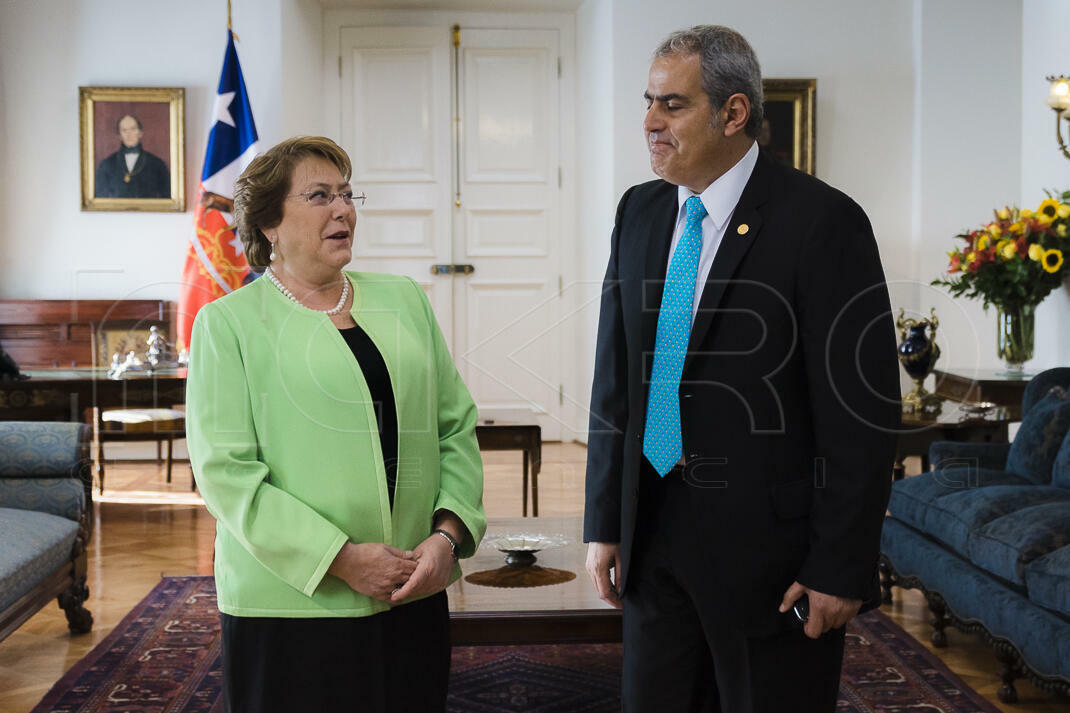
(391, 575)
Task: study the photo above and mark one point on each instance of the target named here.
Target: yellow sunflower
(1009, 251)
(1053, 260)
(1048, 210)
(1063, 211)
(1036, 252)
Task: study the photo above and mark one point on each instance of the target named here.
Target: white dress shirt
(720, 199)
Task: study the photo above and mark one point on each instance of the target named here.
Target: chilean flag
(215, 262)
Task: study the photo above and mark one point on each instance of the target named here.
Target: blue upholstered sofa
(986, 536)
(46, 510)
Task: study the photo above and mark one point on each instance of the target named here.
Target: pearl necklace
(283, 289)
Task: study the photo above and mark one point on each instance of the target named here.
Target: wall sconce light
(1059, 100)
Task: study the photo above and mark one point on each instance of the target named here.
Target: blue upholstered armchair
(46, 510)
(986, 536)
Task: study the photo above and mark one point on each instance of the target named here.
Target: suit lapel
(662, 212)
(734, 245)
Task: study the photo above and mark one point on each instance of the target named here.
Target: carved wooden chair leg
(72, 601)
(887, 581)
(940, 621)
(1008, 672)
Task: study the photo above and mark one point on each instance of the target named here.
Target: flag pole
(230, 26)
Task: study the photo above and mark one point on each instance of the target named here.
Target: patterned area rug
(164, 658)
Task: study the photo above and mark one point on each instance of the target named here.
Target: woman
(334, 442)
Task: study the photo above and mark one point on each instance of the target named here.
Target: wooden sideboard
(66, 333)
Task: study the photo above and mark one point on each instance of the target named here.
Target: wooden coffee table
(552, 614)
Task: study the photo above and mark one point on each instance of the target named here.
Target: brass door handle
(452, 269)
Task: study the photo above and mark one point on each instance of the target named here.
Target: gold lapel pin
(743, 229)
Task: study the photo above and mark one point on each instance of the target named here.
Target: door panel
(396, 127)
(507, 313)
(397, 92)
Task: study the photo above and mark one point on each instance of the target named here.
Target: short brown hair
(729, 66)
(262, 187)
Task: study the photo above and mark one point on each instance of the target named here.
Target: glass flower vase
(1015, 337)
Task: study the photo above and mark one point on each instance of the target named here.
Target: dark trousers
(397, 661)
(685, 649)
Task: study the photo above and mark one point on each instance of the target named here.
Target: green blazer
(283, 442)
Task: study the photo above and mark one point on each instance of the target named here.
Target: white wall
(49, 248)
(597, 196)
(970, 153)
(1044, 53)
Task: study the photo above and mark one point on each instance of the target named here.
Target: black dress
(396, 661)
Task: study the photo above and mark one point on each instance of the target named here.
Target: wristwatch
(449, 539)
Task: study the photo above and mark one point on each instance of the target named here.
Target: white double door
(461, 167)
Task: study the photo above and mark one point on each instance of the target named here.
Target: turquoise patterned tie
(662, 443)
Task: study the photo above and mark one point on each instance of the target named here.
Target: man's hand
(434, 563)
(602, 557)
(826, 610)
(373, 568)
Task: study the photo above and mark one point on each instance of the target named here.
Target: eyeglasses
(320, 197)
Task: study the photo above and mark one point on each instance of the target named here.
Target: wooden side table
(954, 423)
(973, 385)
(516, 430)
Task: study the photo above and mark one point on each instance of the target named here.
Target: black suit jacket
(149, 177)
(789, 395)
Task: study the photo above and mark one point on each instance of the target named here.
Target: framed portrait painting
(133, 144)
(789, 132)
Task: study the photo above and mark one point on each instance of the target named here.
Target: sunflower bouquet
(1015, 260)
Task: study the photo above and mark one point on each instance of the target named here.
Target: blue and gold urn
(918, 353)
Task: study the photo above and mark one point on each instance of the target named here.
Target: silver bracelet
(449, 539)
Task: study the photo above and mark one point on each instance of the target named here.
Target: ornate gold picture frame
(789, 129)
(133, 148)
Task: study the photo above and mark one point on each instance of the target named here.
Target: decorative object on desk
(1059, 100)
(159, 354)
(1013, 262)
(520, 549)
(918, 353)
(520, 569)
(884, 668)
(980, 409)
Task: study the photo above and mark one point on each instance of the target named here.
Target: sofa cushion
(1060, 472)
(1032, 454)
(34, 545)
(59, 496)
(31, 449)
(1006, 545)
(952, 518)
(911, 497)
(1048, 580)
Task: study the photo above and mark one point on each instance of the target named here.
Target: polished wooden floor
(146, 529)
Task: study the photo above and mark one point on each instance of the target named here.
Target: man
(132, 172)
(741, 441)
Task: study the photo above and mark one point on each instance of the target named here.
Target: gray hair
(729, 66)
